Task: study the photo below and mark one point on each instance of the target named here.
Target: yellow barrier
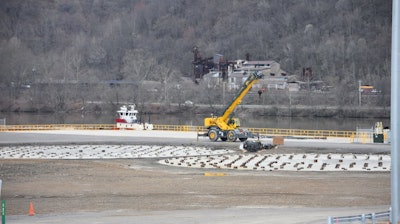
(208, 174)
(183, 128)
(302, 132)
(57, 127)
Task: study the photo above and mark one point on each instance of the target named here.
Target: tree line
(58, 55)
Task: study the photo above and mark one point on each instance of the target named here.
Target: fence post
(3, 211)
(363, 218)
(3, 207)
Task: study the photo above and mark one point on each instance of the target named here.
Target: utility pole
(394, 114)
(223, 93)
(359, 93)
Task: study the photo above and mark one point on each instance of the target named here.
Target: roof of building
(268, 62)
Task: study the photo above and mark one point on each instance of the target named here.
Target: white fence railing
(364, 218)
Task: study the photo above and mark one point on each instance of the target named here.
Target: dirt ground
(65, 186)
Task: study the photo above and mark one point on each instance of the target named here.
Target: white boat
(127, 119)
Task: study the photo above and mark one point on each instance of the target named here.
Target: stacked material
(286, 162)
(103, 151)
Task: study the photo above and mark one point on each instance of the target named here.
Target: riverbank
(251, 110)
(248, 119)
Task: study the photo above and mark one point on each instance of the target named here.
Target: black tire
(231, 135)
(213, 135)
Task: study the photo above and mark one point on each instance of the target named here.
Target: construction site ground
(141, 190)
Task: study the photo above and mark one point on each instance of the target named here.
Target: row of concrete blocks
(192, 156)
(286, 162)
(103, 151)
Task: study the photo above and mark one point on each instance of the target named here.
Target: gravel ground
(144, 191)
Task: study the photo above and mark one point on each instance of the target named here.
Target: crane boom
(253, 78)
(224, 126)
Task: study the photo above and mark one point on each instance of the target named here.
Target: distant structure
(201, 66)
(307, 74)
(217, 71)
(308, 81)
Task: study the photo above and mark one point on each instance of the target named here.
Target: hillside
(60, 55)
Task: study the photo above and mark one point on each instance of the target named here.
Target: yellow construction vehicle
(225, 127)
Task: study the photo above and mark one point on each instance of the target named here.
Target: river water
(310, 123)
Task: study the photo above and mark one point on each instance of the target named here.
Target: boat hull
(134, 126)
